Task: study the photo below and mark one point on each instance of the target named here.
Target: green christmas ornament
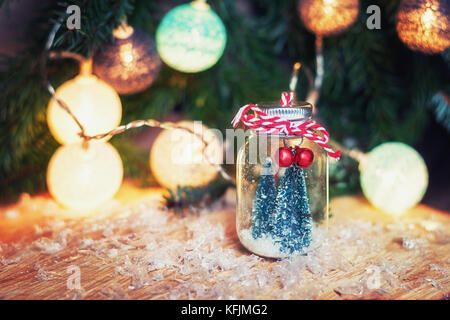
(191, 37)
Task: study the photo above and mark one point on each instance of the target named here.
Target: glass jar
(279, 205)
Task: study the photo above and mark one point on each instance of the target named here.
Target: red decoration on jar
(285, 157)
(304, 157)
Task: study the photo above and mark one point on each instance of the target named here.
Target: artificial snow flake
(200, 257)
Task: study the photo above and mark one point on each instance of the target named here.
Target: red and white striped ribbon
(287, 98)
(261, 122)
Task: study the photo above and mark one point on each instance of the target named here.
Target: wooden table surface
(115, 254)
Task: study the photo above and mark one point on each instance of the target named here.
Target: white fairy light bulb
(394, 177)
(81, 178)
(177, 158)
(93, 102)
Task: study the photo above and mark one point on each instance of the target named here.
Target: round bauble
(82, 178)
(394, 177)
(424, 25)
(328, 17)
(131, 63)
(191, 37)
(95, 104)
(285, 157)
(304, 157)
(177, 157)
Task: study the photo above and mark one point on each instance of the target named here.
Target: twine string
(261, 122)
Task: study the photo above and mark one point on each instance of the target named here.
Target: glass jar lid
(297, 111)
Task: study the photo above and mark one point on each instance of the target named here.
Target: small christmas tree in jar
(282, 178)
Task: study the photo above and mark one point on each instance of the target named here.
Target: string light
(130, 64)
(328, 17)
(81, 178)
(92, 162)
(93, 102)
(191, 37)
(393, 176)
(178, 158)
(424, 25)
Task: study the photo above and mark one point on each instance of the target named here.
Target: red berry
(303, 157)
(285, 157)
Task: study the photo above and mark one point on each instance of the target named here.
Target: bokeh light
(394, 177)
(328, 17)
(177, 159)
(95, 104)
(191, 37)
(424, 25)
(130, 64)
(82, 178)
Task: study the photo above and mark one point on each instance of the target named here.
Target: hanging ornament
(285, 157)
(94, 103)
(328, 17)
(394, 177)
(131, 63)
(179, 157)
(81, 177)
(424, 25)
(191, 37)
(304, 157)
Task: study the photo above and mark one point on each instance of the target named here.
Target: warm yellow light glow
(96, 105)
(126, 54)
(424, 25)
(131, 63)
(428, 17)
(123, 31)
(328, 17)
(83, 178)
(176, 156)
(394, 177)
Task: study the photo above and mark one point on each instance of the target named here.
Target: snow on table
(135, 249)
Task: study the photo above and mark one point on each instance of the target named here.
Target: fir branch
(191, 199)
(98, 20)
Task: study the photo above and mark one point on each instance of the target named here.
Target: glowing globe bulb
(394, 177)
(191, 37)
(424, 25)
(328, 17)
(82, 179)
(96, 105)
(131, 63)
(177, 159)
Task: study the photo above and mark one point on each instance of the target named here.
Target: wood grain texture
(29, 273)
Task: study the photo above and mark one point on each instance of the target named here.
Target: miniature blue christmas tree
(303, 208)
(292, 227)
(264, 203)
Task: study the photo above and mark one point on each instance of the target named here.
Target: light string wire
(131, 125)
